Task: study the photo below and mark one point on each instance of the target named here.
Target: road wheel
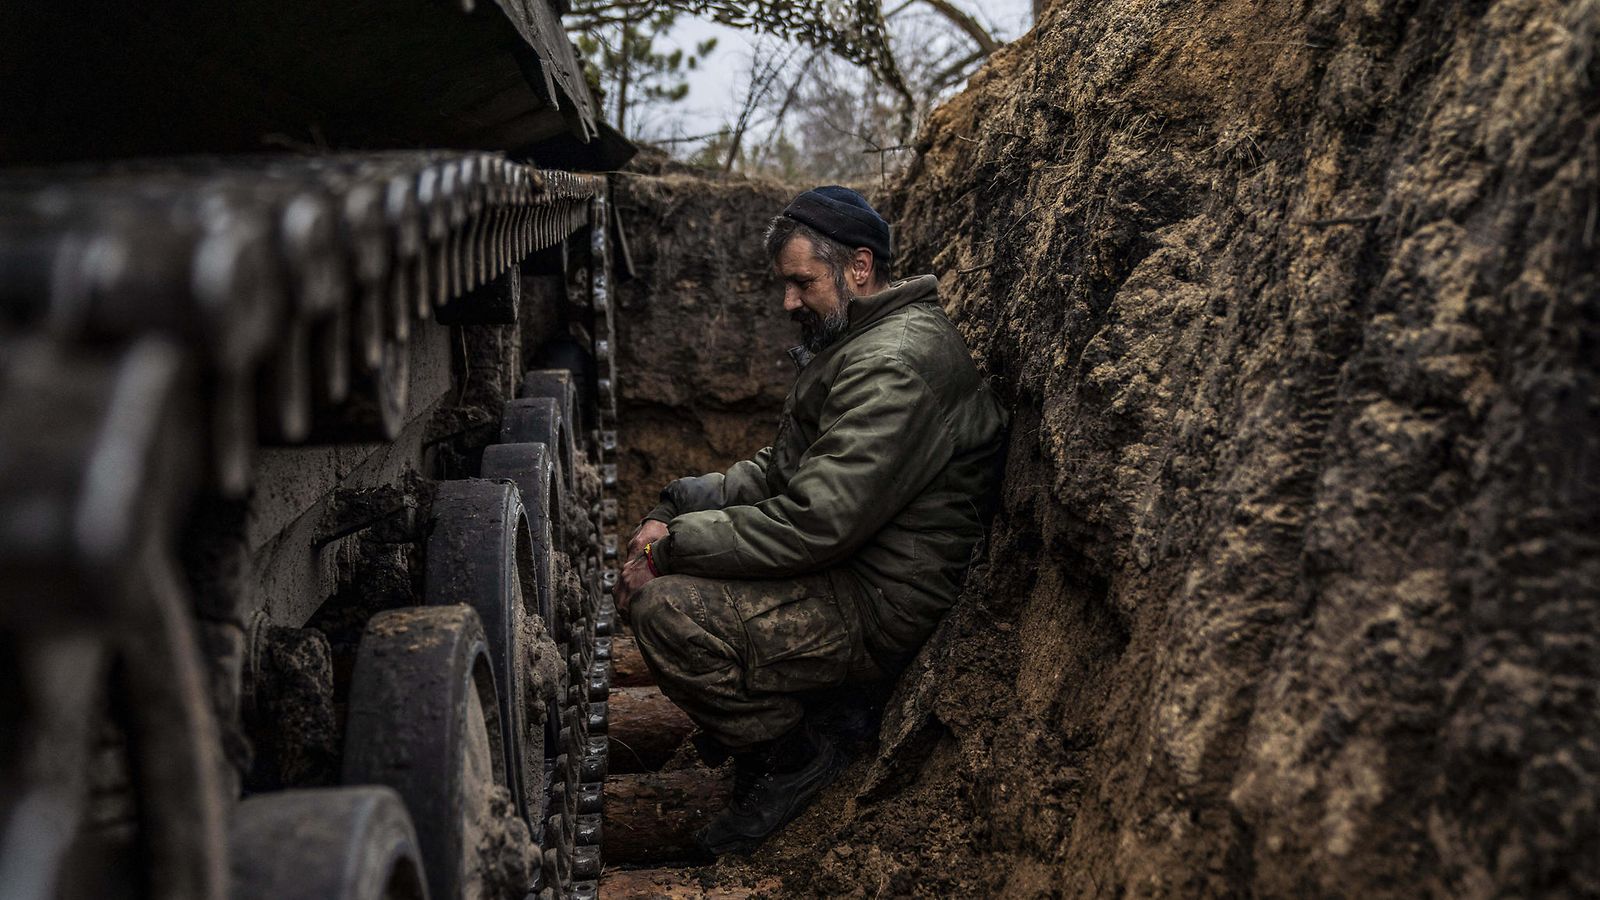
(352, 843)
(424, 720)
(529, 466)
(538, 420)
(482, 554)
(557, 385)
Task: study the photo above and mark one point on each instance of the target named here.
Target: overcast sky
(715, 91)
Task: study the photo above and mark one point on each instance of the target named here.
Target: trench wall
(703, 364)
(1294, 587)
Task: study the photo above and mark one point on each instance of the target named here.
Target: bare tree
(824, 114)
(851, 29)
(969, 25)
(765, 69)
(842, 122)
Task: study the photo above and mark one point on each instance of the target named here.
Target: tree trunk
(627, 664)
(645, 729)
(625, 52)
(652, 817)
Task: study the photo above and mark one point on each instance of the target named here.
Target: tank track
(163, 326)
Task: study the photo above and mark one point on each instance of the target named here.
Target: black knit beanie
(845, 216)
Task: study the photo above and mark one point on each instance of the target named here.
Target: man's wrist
(656, 554)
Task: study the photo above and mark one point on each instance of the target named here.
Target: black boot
(771, 786)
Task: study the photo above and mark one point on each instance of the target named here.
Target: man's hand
(636, 572)
(648, 530)
(635, 575)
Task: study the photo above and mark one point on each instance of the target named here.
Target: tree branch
(967, 24)
(953, 74)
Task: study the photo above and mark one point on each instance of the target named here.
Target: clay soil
(1293, 588)
(702, 332)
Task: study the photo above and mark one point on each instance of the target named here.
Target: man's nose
(791, 300)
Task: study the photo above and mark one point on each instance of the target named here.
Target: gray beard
(818, 333)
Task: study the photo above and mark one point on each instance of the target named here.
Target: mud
(569, 593)
(577, 519)
(506, 857)
(488, 360)
(543, 670)
(290, 714)
(702, 331)
(680, 884)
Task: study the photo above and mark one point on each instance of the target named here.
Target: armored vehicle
(307, 410)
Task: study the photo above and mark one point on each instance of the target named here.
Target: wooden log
(627, 664)
(645, 729)
(678, 884)
(652, 817)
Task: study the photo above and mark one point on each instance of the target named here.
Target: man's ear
(861, 267)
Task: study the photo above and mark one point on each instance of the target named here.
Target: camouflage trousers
(740, 656)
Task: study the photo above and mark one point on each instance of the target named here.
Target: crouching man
(827, 558)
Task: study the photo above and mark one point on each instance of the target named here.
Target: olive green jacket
(887, 448)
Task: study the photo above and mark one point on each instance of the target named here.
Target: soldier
(827, 558)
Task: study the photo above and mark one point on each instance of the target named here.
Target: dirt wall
(1294, 587)
(703, 364)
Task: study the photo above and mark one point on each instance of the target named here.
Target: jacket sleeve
(883, 439)
(744, 483)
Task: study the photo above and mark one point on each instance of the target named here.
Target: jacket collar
(866, 310)
(863, 311)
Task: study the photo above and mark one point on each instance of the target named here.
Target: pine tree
(620, 42)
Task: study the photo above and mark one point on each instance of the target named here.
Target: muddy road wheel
(537, 420)
(482, 554)
(529, 466)
(353, 843)
(557, 385)
(424, 719)
(574, 525)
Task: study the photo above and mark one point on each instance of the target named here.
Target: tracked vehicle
(305, 451)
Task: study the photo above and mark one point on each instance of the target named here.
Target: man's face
(811, 295)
